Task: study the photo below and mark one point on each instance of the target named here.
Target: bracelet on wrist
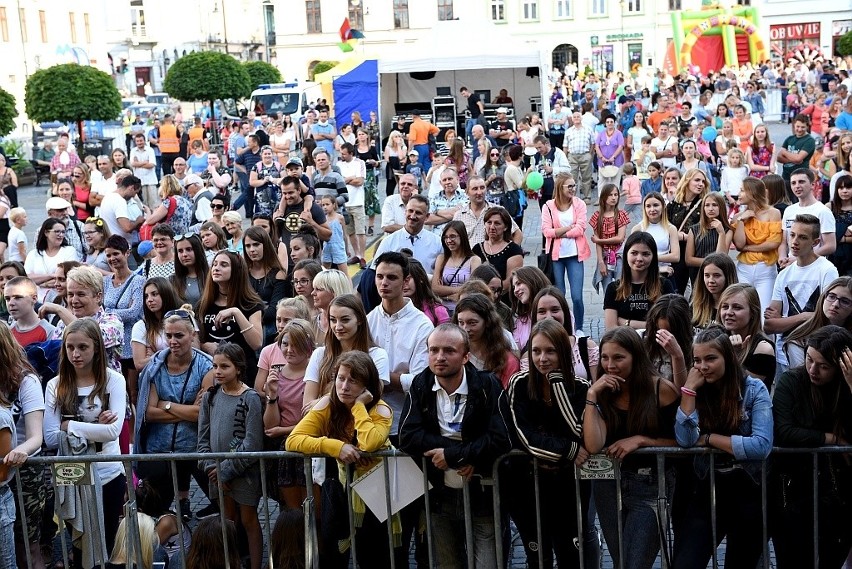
(247, 328)
(595, 405)
(688, 391)
(707, 439)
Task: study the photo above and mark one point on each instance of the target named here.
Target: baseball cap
(622, 99)
(503, 110)
(193, 179)
(631, 98)
(144, 248)
(413, 152)
(294, 161)
(56, 203)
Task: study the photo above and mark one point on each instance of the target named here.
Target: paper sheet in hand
(406, 481)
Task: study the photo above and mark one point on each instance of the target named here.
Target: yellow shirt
(758, 232)
(310, 436)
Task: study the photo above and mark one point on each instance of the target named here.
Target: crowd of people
(178, 326)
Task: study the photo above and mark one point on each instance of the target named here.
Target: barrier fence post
(619, 501)
(537, 493)
(429, 544)
(815, 475)
(267, 531)
(468, 524)
(388, 505)
(498, 522)
(130, 509)
(663, 513)
(581, 534)
(222, 518)
(311, 545)
(25, 532)
(764, 503)
(713, 508)
(348, 487)
(179, 517)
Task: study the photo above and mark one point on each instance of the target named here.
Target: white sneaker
(579, 333)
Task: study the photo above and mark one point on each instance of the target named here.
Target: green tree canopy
(207, 76)
(322, 67)
(8, 112)
(261, 72)
(71, 93)
(844, 44)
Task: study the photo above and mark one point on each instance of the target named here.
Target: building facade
(791, 25)
(41, 33)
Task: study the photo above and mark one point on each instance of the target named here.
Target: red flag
(345, 30)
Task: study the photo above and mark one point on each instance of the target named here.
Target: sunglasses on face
(180, 313)
(217, 206)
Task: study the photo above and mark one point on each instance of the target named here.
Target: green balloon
(535, 180)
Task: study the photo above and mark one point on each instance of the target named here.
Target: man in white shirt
(114, 209)
(400, 328)
(103, 181)
(799, 285)
(201, 197)
(354, 173)
(424, 245)
(472, 214)
(393, 208)
(802, 186)
(579, 147)
(143, 161)
(665, 146)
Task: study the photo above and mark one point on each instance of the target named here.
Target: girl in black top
(230, 309)
(739, 311)
(266, 276)
(627, 300)
(812, 408)
(630, 406)
(547, 404)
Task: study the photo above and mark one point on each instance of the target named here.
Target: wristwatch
(168, 406)
(271, 400)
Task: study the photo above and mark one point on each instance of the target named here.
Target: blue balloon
(709, 134)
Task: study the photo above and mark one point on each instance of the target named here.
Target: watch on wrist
(168, 406)
(271, 400)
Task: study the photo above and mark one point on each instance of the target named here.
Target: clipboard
(406, 481)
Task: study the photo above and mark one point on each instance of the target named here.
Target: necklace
(238, 392)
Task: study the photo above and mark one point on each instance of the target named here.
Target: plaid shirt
(579, 140)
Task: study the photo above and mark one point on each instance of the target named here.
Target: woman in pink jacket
(563, 224)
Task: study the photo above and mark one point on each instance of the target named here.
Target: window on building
(42, 24)
(530, 9)
(4, 24)
(400, 14)
(633, 6)
(745, 2)
(137, 19)
(356, 15)
(445, 10)
(312, 11)
(562, 9)
(87, 29)
(72, 25)
(598, 7)
(674, 5)
(498, 10)
(22, 14)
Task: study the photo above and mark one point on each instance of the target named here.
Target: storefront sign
(794, 31)
(841, 27)
(623, 37)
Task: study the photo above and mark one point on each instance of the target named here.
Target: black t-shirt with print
(637, 304)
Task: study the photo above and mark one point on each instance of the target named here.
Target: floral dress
(761, 156)
(371, 196)
(181, 219)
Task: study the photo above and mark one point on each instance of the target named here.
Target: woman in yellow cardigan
(350, 420)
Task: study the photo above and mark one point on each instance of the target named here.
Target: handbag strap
(552, 241)
(695, 204)
(124, 289)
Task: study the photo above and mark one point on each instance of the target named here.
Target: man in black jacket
(457, 417)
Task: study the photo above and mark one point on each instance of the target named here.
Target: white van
(292, 99)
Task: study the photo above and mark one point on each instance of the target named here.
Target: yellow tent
(326, 78)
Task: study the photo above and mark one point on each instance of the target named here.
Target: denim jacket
(169, 437)
(754, 441)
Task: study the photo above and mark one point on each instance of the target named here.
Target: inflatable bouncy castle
(714, 37)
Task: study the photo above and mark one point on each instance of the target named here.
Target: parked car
(148, 112)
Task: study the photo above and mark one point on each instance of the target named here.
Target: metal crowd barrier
(62, 465)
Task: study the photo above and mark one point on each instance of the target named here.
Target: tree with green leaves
(71, 93)
(207, 76)
(844, 44)
(322, 67)
(261, 72)
(8, 112)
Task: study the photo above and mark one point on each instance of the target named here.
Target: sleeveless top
(455, 276)
(661, 237)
